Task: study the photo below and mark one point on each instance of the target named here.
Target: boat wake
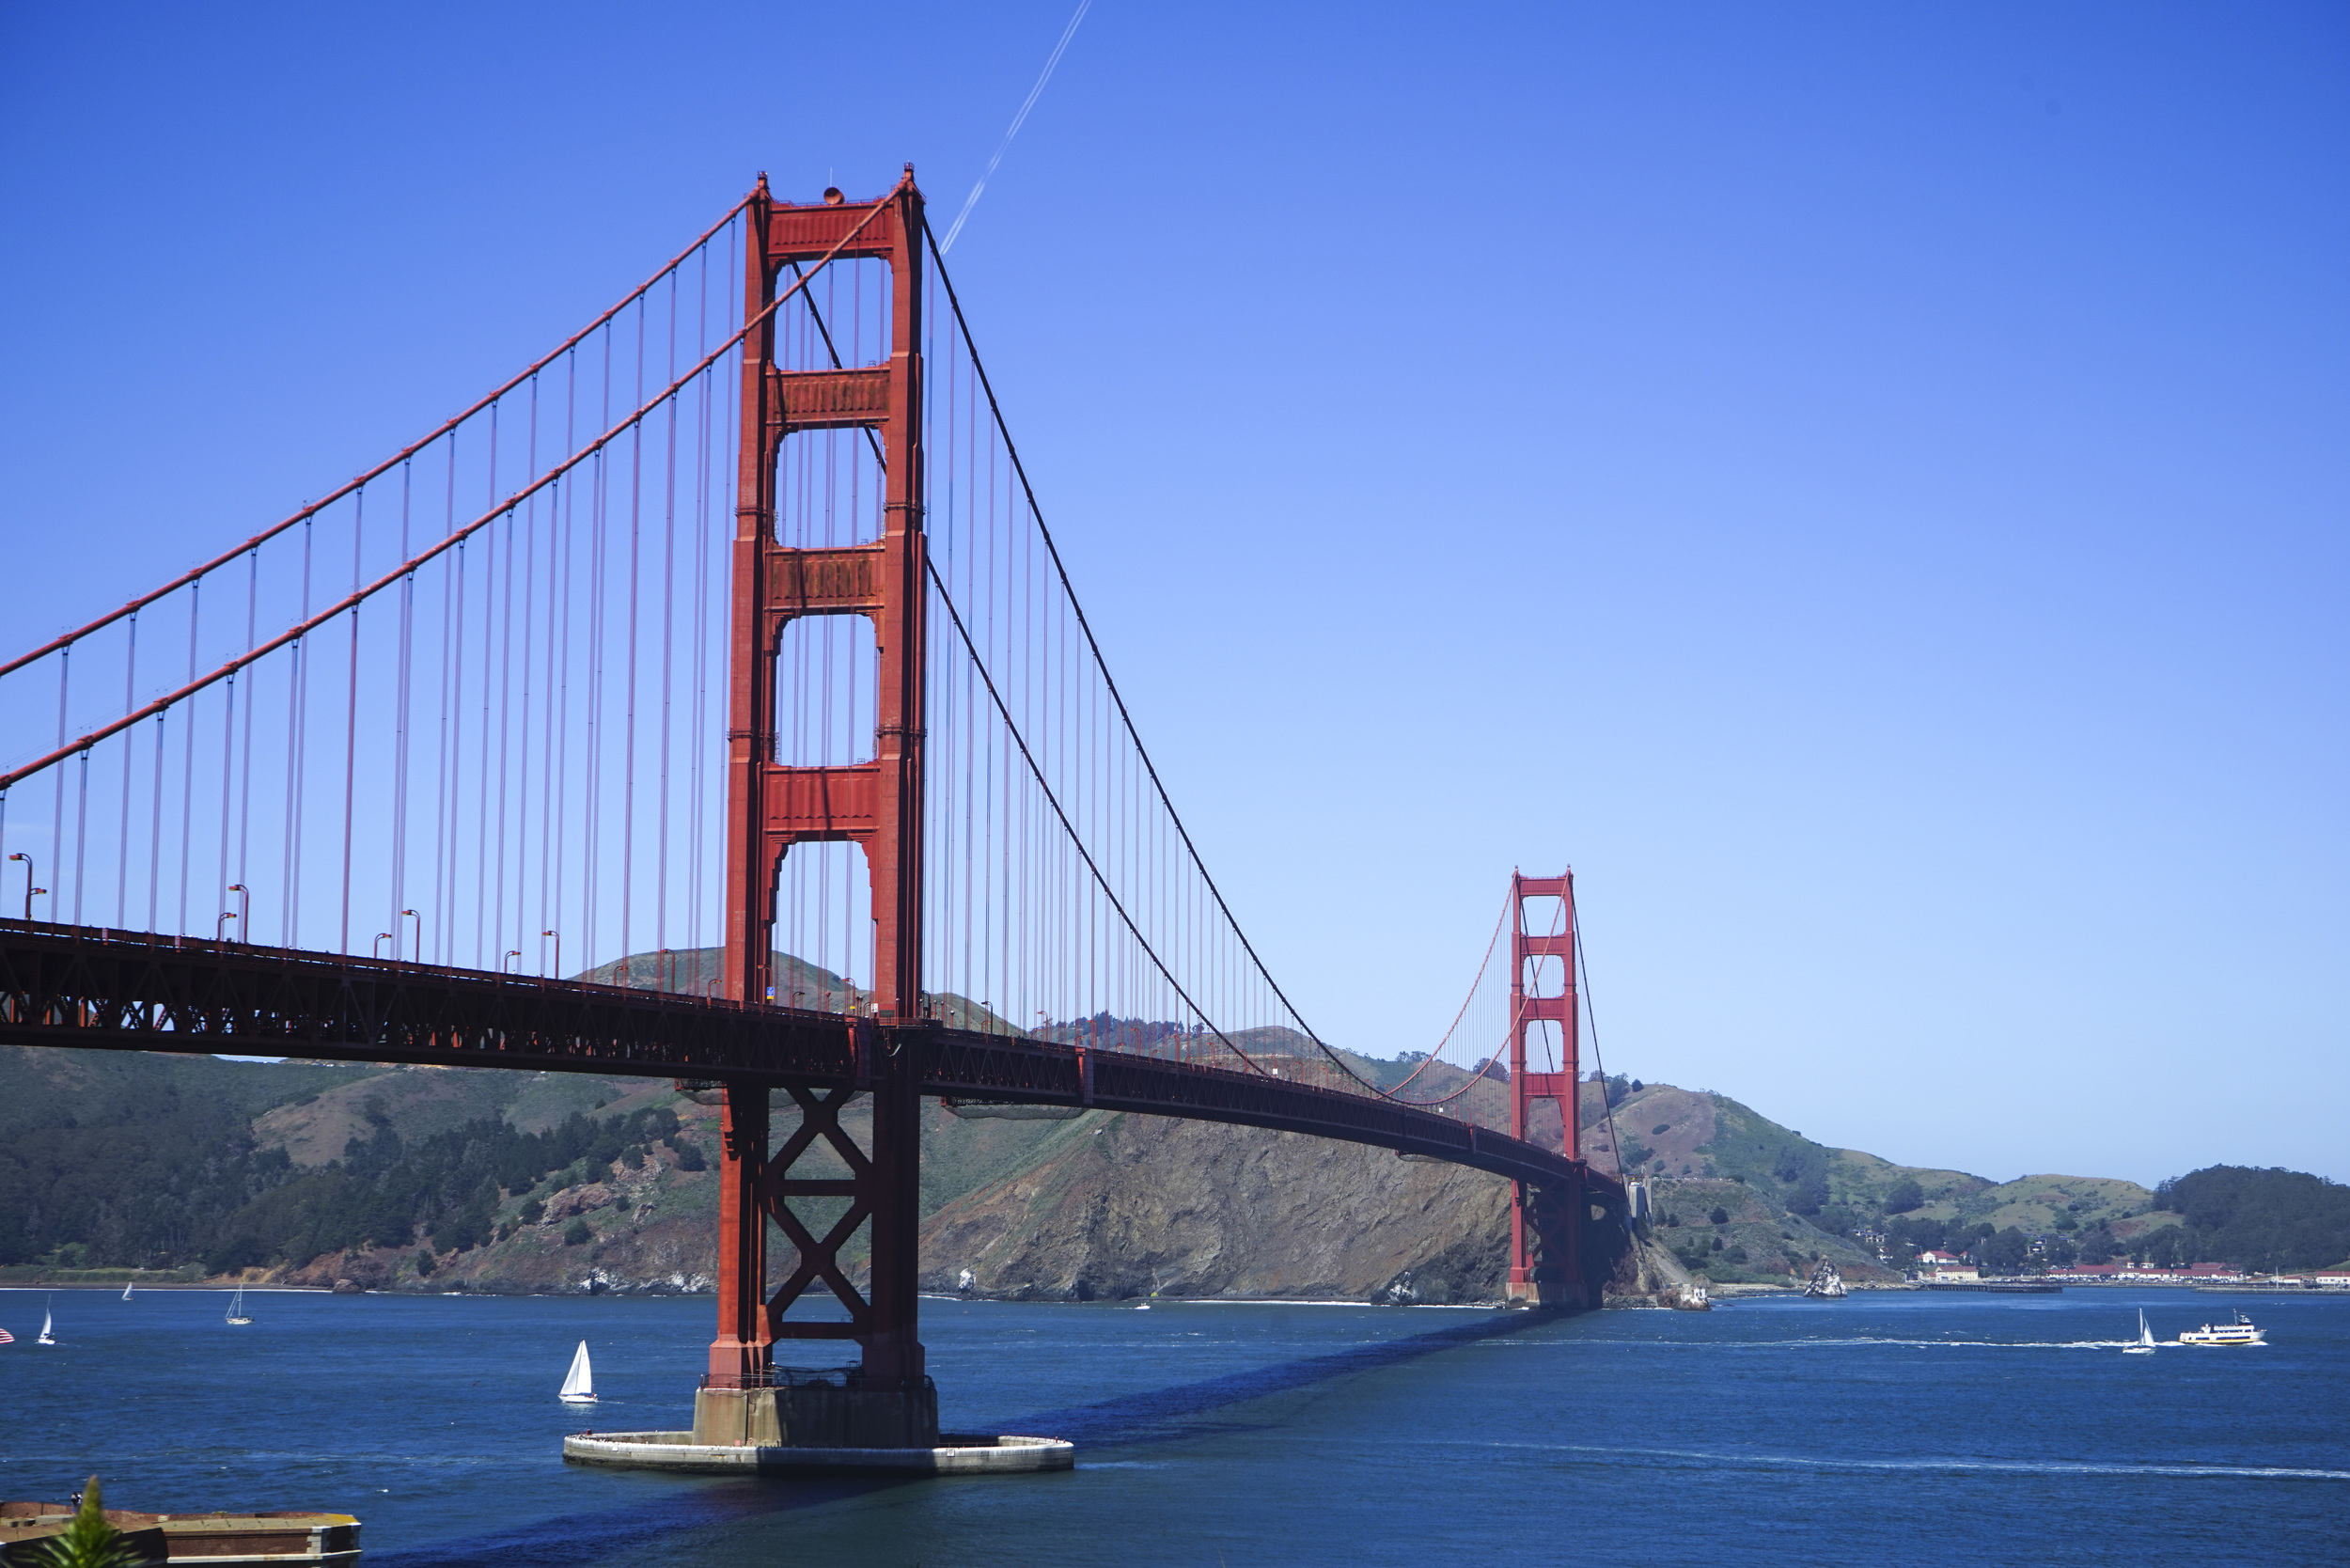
(1848, 1342)
(1946, 1465)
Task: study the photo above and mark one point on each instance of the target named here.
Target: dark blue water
(1890, 1428)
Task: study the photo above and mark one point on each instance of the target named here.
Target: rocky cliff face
(1132, 1205)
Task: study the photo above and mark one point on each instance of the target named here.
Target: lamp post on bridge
(244, 910)
(29, 889)
(381, 938)
(418, 951)
(559, 952)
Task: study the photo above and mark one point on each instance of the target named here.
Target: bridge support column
(741, 1348)
(1546, 1221)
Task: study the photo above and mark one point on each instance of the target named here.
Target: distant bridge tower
(1545, 1232)
(876, 806)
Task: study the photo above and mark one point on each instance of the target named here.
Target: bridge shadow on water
(1155, 1416)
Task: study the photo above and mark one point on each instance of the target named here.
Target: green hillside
(1673, 1135)
(400, 1177)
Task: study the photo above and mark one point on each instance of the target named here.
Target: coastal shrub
(576, 1233)
(633, 1157)
(424, 1261)
(532, 1212)
(1717, 1244)
(597, 1170)
(1735, 1255)
(1904, 1196)
(1660, 1128)
(689, 1157)
(1719, 1217)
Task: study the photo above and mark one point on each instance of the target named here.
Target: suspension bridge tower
(877, 806)
(1545, 1230)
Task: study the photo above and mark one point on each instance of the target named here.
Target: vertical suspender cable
(123, 844)
(187, 769)
(628, 742)
(351, 713)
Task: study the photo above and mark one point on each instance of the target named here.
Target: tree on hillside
(1905, 1196)
(1920, 1234)
(2004, 1253)
(2263, 1219)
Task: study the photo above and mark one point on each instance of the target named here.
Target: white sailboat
(48, 1325)
(236, 1310)
(126, 1290)
(580, 1386)
(2145, 1344)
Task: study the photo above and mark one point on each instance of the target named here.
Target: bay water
(1888, 1427)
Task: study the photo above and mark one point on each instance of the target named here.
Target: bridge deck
(83, 986)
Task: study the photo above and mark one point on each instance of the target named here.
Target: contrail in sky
(1017, 120)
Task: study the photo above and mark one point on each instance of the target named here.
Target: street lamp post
(28, 884)
(418, 951)
(244, 910)
(220, 927)
(558, 952)
(381, 938)
(516, 954)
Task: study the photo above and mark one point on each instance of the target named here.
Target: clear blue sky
(1866, 485)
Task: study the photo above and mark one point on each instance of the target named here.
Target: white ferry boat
(2240, 1332)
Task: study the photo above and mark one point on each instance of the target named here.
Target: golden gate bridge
(732, 622)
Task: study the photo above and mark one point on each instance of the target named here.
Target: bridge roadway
(89, 987)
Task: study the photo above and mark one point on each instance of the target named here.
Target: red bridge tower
(876, 806)
(1546, 1254)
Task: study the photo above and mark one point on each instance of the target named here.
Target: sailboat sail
(48, 1327)
(236, 1308)
(579, 1388)
(126, 1291)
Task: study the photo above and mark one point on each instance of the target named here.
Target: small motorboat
(579, 1388)
(2240, 1332)
(2144, 1345)
(236, 1310)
